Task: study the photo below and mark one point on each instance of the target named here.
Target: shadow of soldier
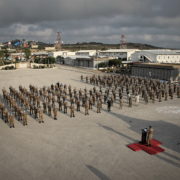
(98, 173)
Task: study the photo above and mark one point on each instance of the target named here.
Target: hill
(102, 46)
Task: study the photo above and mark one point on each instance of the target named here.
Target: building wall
(168, 58)
(151, 56)
(122, 55)
(157, 73)
(23, 65)
(86, 53)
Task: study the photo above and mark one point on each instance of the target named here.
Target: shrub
(8, 68)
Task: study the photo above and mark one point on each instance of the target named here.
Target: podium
(143, 136)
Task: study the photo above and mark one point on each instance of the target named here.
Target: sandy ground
(87, 147)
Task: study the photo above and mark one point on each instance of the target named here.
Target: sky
(155, 22)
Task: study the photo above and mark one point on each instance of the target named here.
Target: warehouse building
(123, 54)
(157, 56)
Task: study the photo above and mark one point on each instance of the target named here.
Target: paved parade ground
(90, 147)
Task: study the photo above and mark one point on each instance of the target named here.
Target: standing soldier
(78, 105)
(35, 112)
(60, 103)
(44, 107)
(11, 121)
(149, 135)
(153, 97)
(171, 92)
(105, 98)
(38, 101)
(90, 103)
(72, 101)
(86, 108)
(49, 109)
(31, 109)
(136, 98)
(65, 107)
(120, 103)
(41, 119)
(53, 100)
(55, 112)
(112, 100)
(130, 101)
(72, 110)
(171, 95)
(98, 106)
(146, 98)
(165, 95)
(86, 79)
(109, 105)
(5, 115)
(24, 118)
(2, 111)
(160, 96)
(93, 99)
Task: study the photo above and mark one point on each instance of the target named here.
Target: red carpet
(153, 149)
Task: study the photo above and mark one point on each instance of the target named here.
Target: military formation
(125, 89)
(107, 90)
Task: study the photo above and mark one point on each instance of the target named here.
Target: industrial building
(81, 61)
(123, 54)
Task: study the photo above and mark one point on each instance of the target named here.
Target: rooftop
(120, 50)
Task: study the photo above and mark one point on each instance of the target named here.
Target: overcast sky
(155, 22)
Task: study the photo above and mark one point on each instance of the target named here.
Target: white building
(50, 48)
(157, 56)
(20, 56)
(124, 54)
(55, 54)
(34, 46)
(90, 53)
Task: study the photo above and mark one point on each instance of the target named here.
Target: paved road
(87, 147)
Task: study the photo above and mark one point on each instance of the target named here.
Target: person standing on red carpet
(150, 132)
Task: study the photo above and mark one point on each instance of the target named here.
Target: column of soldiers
(6, 116)
(12, 100)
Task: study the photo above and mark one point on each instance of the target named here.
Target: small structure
(40, 54)
(50, 48)
(82, 61)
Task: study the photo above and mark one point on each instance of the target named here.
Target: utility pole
(123, 42)
(58, 43)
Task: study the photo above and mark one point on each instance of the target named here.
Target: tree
(47, 60)
(27, 53)
(1, 54)
(16, 59)
(37, 60)
(114, 62)
(6, 54)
